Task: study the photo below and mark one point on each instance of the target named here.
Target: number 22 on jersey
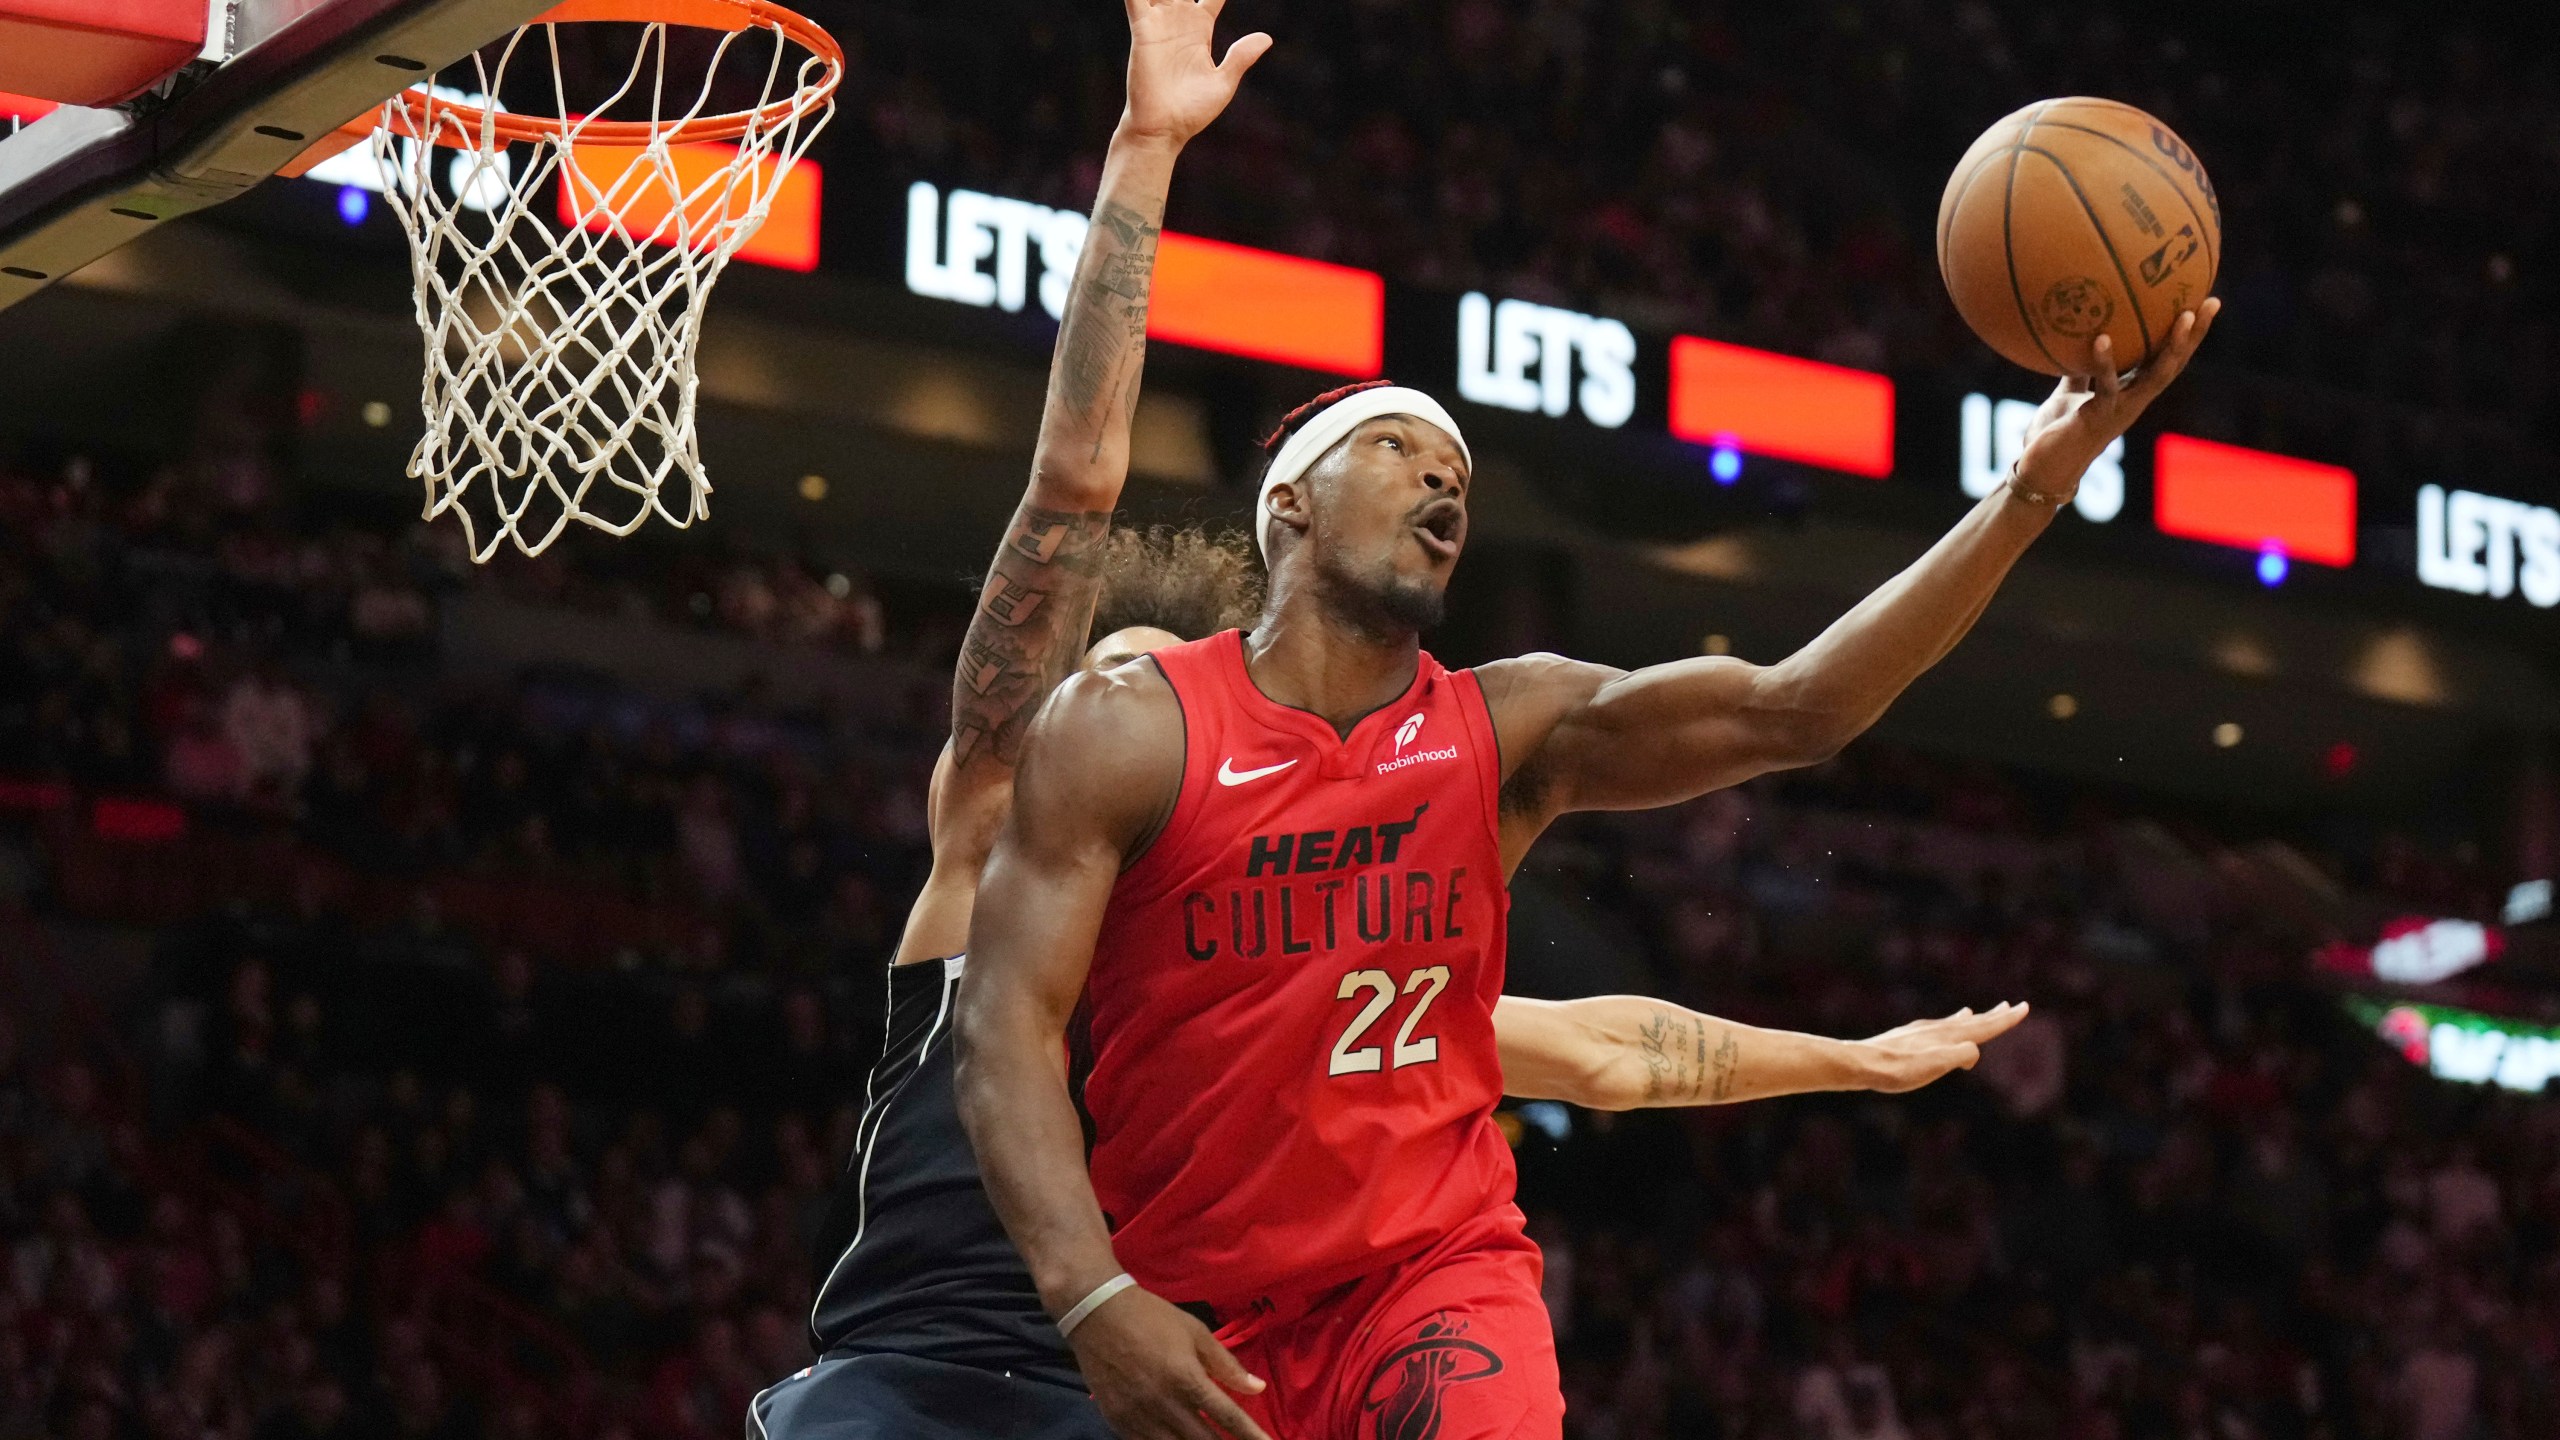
(1381, 990)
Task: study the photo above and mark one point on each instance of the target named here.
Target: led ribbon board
(1207, 294)
(2478, 544)
(1534, 358)
(2417, 950)
(1780, 406)
(1267, 306)
(2253, 500)
(2464, 1046)
(787, 240)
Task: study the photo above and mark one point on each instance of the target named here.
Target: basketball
(2072, 219)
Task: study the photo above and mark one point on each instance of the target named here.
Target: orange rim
(458, 126)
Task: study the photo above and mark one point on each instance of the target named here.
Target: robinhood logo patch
(1418, 757)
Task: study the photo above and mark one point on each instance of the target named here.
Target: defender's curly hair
(1177, 578)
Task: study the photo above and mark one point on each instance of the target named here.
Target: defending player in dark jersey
(1276, 863)
(925, 1323)
(919, 1327)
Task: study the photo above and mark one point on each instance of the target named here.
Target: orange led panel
(2249, 499)
(23, 107)
(788, 239)
(1778, 405)
(1241, 301)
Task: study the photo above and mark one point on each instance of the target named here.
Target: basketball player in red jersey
(925, 1323)
(1273, 865)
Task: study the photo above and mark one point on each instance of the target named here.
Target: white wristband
(1085, 1307)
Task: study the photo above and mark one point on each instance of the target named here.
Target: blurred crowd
(2185, 1199)
(1771, 174)
(310, 1144)
(282, 684)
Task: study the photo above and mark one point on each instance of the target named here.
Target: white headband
(1327, 430)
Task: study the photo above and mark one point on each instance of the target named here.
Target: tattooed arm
(1039, 596)
(1625, 1052)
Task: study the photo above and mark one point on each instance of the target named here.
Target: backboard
(274, 77)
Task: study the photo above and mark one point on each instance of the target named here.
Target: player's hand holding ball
(1155, 1372)
(2086, 413)
(2082, 238)
(1176, 87)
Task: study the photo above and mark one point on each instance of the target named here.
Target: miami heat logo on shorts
(1404, 1391)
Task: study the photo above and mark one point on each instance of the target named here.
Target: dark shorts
(902, 1397)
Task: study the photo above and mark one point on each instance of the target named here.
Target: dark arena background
(435, 998)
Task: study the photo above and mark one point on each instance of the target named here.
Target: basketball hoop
(560, 349)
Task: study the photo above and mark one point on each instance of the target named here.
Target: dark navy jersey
(911, 1259)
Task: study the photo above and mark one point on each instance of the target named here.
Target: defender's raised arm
(1032, 616)
(1038, 599)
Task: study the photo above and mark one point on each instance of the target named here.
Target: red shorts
(1452, 1344)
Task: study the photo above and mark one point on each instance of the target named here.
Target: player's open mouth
(1439, 528)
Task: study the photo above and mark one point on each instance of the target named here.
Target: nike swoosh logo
(1228, 774)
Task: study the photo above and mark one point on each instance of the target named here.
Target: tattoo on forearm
(1040, 595)
(1653, 1046)
(1027, 630)
(1673, 1046)
(1728, 1065)
(1104, 340)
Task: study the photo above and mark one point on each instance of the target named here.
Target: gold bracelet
(2031, 497)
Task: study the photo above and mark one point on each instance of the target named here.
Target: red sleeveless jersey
(1292, 995)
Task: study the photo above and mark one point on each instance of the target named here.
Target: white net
(562, 268)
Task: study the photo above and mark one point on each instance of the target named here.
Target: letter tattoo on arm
(1040, 596)
(1678, 1065)
(1104, 344)
(1027, 631)
(1673, 1046)
(1651, 1044)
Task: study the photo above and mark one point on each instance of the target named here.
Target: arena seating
(373, 1068)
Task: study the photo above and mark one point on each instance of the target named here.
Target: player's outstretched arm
(1627, 1052)
(1592, 738)
(1039, 594)
(1100, 772)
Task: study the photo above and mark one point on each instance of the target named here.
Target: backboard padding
(79, 182)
